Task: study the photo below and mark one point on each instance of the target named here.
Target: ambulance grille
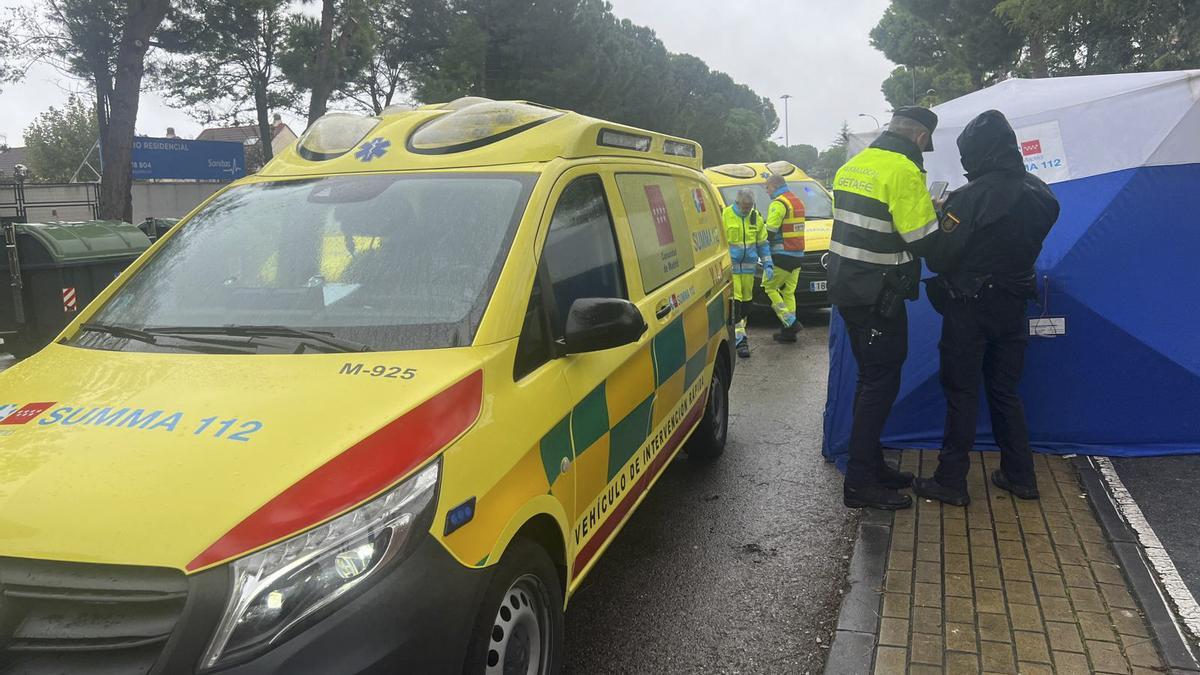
(80, 618)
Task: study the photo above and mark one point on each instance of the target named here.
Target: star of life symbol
(376, 147)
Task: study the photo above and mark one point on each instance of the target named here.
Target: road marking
(1185, 603)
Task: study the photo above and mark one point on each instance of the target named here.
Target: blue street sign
(189, 160)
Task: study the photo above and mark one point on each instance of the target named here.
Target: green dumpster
(157, 227)
(54, 270)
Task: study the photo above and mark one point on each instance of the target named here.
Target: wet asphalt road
(734, 566)
(1166, 490)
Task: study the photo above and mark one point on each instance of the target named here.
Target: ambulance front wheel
(708, 441)
(520, 624)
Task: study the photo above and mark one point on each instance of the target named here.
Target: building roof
(239, 134)
(10, 158)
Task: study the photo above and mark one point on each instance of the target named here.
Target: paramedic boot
(743, 349)
(788, 334)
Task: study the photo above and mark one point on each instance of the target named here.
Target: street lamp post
(787, 141)
(874, 118)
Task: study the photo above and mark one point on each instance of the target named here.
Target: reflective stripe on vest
(791, 230)
(863, 255)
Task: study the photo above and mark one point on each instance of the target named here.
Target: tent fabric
(1122, 154)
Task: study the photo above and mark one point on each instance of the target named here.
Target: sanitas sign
(181, 159)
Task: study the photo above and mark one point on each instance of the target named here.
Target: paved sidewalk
(1007, 586)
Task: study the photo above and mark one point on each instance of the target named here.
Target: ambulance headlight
(280, 587)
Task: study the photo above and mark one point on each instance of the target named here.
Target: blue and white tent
(1113, 364)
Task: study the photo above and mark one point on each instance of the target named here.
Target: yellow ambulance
(818, 226)
(378, 408)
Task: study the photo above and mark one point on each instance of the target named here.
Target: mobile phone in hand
(938, 190)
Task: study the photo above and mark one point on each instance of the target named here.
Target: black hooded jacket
(993, 227)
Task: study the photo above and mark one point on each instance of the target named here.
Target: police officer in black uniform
(992, 232)
(883, 219)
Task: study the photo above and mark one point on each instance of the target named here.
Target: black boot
(743, 349)
(1021, 491)
(874, 497)
(931, 489)
(788, 333)
(893, 478)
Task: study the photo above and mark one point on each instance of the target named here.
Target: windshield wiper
(312, 337)
(149, 337)
(126, 332)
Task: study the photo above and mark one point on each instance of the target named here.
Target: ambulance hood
(151, 459)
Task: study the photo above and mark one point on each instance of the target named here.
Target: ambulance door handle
(663, 311)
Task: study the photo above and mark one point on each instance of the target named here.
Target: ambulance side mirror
(595, 324)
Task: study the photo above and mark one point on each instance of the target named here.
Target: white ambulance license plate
(818, 286)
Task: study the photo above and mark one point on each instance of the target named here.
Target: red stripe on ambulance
(361, 472)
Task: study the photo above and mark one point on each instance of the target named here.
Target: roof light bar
(333, 135)
(626, 141)
(477, 125)
(781, 168)
(735, 170)
(679, 148)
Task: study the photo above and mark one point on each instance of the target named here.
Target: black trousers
(880, 347)
(984, 338)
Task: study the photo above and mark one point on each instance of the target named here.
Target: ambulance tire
(521, 612)
(708, 440)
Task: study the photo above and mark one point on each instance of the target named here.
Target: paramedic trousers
(743, 293)
(879, 346)
(781, 289)
(983, 338)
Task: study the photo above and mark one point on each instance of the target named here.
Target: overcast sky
(816, 51)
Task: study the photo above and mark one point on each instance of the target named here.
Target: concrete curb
(1167, 631)
(853, 648)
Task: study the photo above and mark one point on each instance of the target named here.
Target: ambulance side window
(580, 257)
(579, 260)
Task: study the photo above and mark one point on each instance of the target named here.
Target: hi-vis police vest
(882, 216)
(788, 237)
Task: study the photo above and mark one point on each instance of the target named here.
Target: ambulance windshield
(817, 204)
(390, 262)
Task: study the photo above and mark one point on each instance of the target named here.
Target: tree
(954, 47)
(575, 54)
(951, 47)
(228, 64)
(833, 157)
(1095, 36)
(7, 49)
(322, 56)
(104, 42)
(59, 139)
(409, 33)
(802, 156)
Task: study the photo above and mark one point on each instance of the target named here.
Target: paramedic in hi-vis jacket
(747, 234)
(785, 232)
(883, 219)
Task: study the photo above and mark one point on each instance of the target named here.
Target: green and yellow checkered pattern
(612, 422)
